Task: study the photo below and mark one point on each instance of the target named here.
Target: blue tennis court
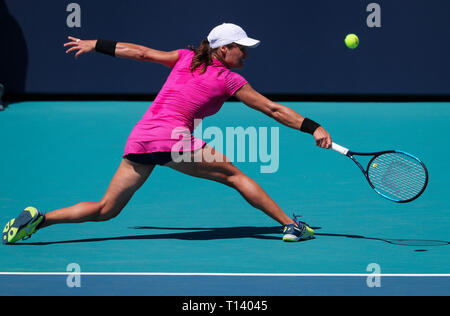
(186, 236)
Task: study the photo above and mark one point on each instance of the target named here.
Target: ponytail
(202, 57)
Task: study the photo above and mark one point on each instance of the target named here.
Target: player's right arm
(125, 50)
(280, 113)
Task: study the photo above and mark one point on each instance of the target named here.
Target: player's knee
(106, 211)
(235, 180)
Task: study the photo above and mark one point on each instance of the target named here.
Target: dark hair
(202, 57)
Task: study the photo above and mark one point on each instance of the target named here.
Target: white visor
(228, 33)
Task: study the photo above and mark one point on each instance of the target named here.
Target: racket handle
(339, 149)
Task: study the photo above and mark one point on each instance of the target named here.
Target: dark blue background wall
(302, 49)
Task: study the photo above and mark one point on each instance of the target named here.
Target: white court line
(228, 274)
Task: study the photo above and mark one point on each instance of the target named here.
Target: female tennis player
(200, 82)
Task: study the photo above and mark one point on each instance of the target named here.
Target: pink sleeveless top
(185, 96)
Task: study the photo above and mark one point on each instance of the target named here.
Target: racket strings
(397, 176)
(400, 179)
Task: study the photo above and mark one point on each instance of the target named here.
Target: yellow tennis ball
(352, 41)
(375, 165)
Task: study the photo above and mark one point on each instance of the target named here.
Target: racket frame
(346, 152)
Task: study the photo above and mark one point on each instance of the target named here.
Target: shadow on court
(237, 232)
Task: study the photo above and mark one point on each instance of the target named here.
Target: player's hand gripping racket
(395, 175)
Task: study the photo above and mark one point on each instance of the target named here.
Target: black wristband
(106, 47)
(309, 126)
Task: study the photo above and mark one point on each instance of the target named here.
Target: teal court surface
(186, 236)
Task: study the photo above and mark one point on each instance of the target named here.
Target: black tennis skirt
(157, 158)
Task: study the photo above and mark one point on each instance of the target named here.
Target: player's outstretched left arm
(282, 114)
(124, 50)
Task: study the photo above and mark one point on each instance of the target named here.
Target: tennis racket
(395, 175)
